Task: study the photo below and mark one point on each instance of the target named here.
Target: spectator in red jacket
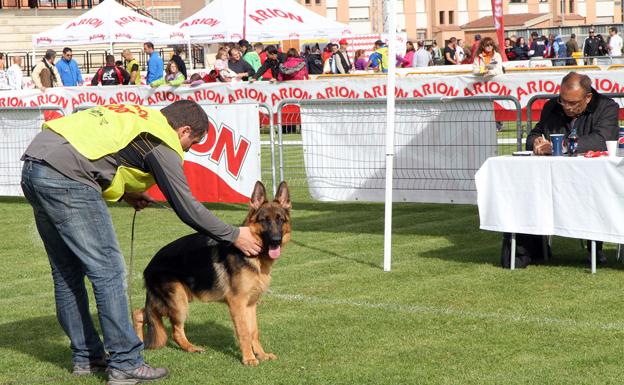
(475, 45)
(294, 68)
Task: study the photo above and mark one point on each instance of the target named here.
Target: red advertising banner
(497, 13)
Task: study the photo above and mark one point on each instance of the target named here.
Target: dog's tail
(156, 335)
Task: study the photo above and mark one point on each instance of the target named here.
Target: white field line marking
(415, 309)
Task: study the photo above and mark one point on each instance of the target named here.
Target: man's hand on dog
(138, 200)
(542, 146)
(247, 242)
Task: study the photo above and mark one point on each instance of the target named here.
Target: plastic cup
(612, 148)
(557, 144)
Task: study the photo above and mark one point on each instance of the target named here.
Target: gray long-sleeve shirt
(146, 153)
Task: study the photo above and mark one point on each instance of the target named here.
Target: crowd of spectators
(243, 62)
(547, 47)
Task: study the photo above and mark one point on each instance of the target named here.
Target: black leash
(131, 262)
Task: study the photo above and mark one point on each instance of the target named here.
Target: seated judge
(579, 106)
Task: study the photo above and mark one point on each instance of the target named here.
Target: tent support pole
(190, 50)
(244, 19)
(34, 57)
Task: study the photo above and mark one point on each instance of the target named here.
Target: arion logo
(222, 141)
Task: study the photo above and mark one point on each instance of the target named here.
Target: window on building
(451, 17)
(441, 17)
(421, 34)
(307, 2)
(520, 1)
(571, 7)
(359, 14)
(331, 13)
(318, 2)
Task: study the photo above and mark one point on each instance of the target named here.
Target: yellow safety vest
(383, 51)
(129, 65)
(105, 130)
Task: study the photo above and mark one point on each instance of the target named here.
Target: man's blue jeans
(79, 238)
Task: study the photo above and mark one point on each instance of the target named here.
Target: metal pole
(280, 143)
(390, 112)
(244, 19)
(593, 257)
(190, 50)
(272, 144)
(512, 254)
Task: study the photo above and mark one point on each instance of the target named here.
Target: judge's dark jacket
(597, 124)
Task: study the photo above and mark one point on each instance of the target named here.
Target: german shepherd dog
(195, 266)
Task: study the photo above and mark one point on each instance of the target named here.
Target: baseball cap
(343, 41)
(379, 42)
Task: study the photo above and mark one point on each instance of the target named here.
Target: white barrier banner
(435, 159)
(225, 165)
(520, 85)
(17, 130)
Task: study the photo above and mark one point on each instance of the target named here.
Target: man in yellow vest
(132, 67)
(110, 153)
(378, 60)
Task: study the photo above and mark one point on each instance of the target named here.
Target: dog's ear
(258, 197)
(283, 196)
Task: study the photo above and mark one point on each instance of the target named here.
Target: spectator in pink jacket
(409, 55)
(294, 68)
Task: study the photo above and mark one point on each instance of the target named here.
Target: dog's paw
(195, 349)
(251, 362)
(267, 357)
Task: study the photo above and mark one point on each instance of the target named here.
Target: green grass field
(446, 314)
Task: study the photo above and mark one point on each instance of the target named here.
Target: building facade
(441, 19)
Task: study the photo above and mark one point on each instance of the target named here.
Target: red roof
(511, 20)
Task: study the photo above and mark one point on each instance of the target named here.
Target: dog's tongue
(275, 251)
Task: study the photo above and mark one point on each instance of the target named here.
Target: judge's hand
(542, 146)
(138, 200)
(247, 242)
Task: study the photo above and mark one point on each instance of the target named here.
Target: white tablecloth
(571, 197)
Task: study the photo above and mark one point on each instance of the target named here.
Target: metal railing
(586, 60)
(90, 61)
(442, 142)
(555, 68)
(19, 127)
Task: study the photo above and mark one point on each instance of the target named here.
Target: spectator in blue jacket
(68, 69)
(155, 65)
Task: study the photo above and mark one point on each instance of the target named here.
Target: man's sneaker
(143, 373)
(93, 366)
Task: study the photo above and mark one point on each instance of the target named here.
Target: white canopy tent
(258, 20)
(109, 23)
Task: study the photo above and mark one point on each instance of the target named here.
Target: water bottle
(572, 142)
(620, 146)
